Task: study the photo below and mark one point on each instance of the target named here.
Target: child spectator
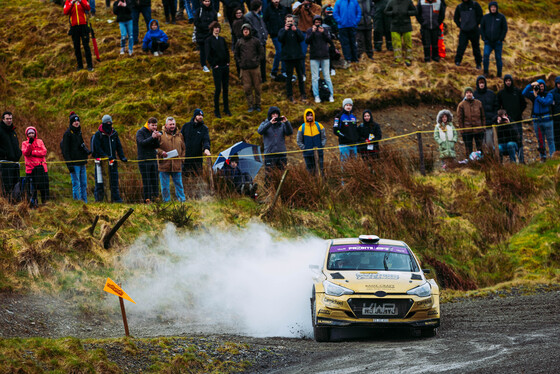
(123, 10)
(370, 134)
(311, 135)
(400, 12)
(319, 41)
(203, 17)
(345, 127)
(446, 137)
(155, 39)
(430, 15)
(34, 153)
(75, 154)
(508, 136)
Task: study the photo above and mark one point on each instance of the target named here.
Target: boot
(167, 19)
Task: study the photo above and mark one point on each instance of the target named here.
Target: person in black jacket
(105, 144)
(203, 17)
(490, 104)
(10, 154)
(508, 136)
(123, 10)
(197, 143)
(274, 20)
(556, 111)
(291, 37)
(467, 17)
(217, 55)
(430, 15)
(75, 153)
(493, 30)
(370, 134)
(511, 99)
(319, 40)
(147, 143)
(259, 31)
(144, 7)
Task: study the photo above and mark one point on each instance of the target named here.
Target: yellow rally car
(372, 282)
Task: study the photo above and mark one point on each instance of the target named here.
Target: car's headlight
(332, 289)
(421, 291)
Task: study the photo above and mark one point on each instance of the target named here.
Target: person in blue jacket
(541, 113)
(493, 29)
(346, 128)
(155, 39)
(311, 134)
(347, 14)
(556, 111)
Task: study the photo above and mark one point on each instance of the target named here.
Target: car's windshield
(370, 257)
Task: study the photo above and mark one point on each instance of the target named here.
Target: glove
(31, 140)
(124, 159)
(71, 169)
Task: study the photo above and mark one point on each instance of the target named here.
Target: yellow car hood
(373, 281)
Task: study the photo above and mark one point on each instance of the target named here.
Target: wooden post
(124, 317)
(92, 228)
(278, 189)
(421, 154)
(316, 157)
(496, 144)
(211, 175)
(113, 231)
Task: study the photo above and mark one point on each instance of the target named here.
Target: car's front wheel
(320, 334)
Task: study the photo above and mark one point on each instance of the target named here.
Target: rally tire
(320, 334)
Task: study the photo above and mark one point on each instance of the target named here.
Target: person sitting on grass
(508, 136)
(155, 39)
(242, 181)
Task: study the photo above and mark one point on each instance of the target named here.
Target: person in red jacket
(34, 153)
(79, 30)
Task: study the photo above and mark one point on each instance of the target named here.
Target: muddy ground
(502, 333)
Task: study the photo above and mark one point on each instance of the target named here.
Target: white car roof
(342, 241)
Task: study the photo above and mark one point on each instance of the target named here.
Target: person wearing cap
(34, 153)
(467, 17)
(400, 12)
(76, 10)
(291, 37)
(170, 167)
(147, 142)
(381, 26)
(248, 54)
(364, 30)
(259, 31)
(105, 144)
(346, 129)
(203, 17)
(75, 153)
(217, 55)
(319, 41)
(197, 143)
(493, 30)
(348, 14)
(274, 129)
(10, 154)
(470, 121)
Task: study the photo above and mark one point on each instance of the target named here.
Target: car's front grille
(380, 308)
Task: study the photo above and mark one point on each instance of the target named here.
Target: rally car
(372, 282)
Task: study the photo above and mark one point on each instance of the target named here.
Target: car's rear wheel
(320, 334)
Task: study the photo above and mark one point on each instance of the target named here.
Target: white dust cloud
(246, 281)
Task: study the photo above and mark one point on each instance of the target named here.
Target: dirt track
(500, 334)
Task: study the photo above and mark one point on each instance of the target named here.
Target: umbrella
(94, 41)
(249, 158)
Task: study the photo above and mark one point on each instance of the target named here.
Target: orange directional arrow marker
(112, 287)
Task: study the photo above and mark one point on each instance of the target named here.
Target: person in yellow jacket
(311, 134)
(171, 150)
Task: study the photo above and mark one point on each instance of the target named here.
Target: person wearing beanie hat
(105, 144)
(319, 40)
(35, 152)
(346, 129)
(248, 55)
(147, 142)
(75, 153)
(9, 151)
(470, 120)
(493, 30)
(197, 143)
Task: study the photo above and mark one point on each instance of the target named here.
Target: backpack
(324, 92)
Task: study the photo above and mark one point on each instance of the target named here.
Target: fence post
(421, 153)
(496, 144)
(211, 175)
(316, 157)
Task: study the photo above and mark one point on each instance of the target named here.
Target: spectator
(556, 112)
(400, 12)
(237, 33)
(470, 119)
(34, 153)
(248, 54)
(274, 20)
(259, 28)
(364, 30)
(446, 137)
(168, 165)
(144, 7)
(147, 142)
(490, 104)
(329, 20)
(273, 130)
(204, 16)
(347, 14)
(230, 8)
(346, 129)
(370, 134)
(155, 40)
(493, 29)
(430, 15)
(311, 135)
(197, 142)
(512, 101)
(217, 55)
(123, 10)
(107, 145)
(75, 154)
(467, 17)
(291, 37)
(541, 113)
(79, 30)
(381, 26)
(169, 9)
(9, 154)
(305, 12)
(319, 41)
(508, 136)
(241, 181)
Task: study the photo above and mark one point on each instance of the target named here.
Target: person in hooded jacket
(555, 92)
(248, 54)
(34, 153)
(75, 153)
(490, 104)
(260, 32)
(493, 29)
(370, 135)
(171, 139)
(446, 137)
(364, 30)
(470, 119)
(79, 30)
(147, 142)
(467, 17)
(430, 16)
(346, 129)
(105, 144)
(542, 116)
(512, 101)
(203, 17)
(155, 39)
(381, 26)
(123, 10)
(10, 154)
(274, 129)
(197, 143)
(400, 12)
(311, 134)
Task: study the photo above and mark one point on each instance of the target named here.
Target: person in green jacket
(446, 137)
(400, 12)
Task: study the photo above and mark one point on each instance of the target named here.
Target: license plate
(387, 309)
(380, 320)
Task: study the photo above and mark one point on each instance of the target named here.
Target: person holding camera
(291, 37)
(79, 30)
(75, 153)
(123, 10)
(305, 12)
(155, 39)
(274, 129)
(542, 118)
(508, 136)
(319, 41)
